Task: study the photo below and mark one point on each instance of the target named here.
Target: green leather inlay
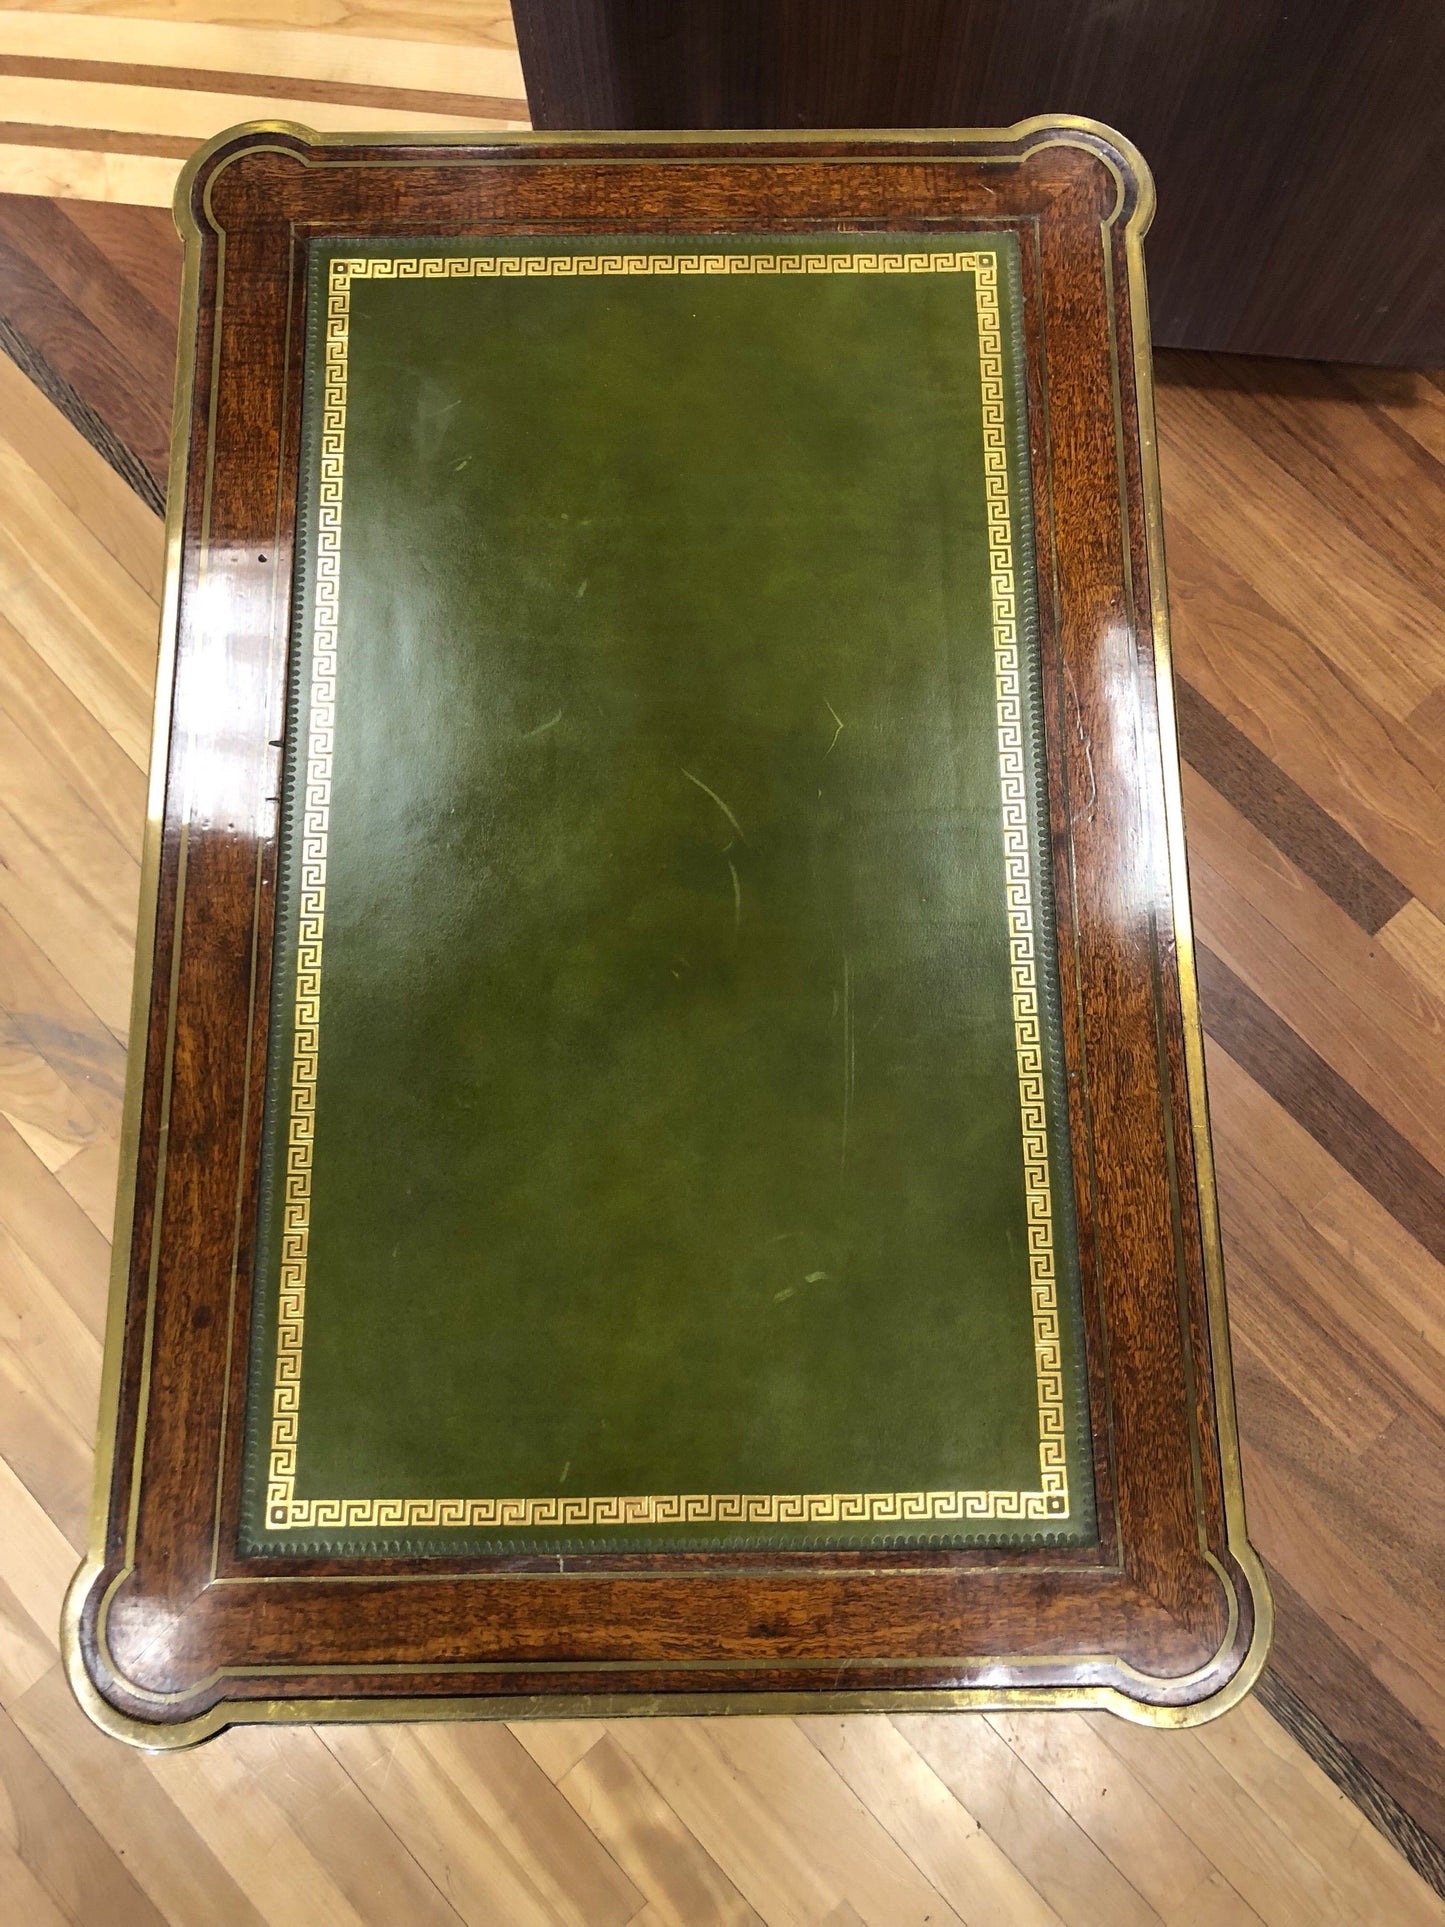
(665, 1137)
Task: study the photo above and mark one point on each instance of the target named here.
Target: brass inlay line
(284, 1511)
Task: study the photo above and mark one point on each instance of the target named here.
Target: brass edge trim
(971, 1663)
(107, 1424)
(723, 138)
(1097, 137)
(153, 1737)
(1221, 1361)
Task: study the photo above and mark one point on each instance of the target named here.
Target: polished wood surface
(1328, 1232)
(1290, 144)
(173, 1628)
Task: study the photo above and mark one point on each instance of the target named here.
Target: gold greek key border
(285, 1512)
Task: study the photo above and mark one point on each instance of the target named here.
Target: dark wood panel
(1299, 211)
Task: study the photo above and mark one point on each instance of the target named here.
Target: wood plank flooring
(1305, 516)
(102, 108)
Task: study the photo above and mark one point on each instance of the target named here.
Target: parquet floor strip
(1334, 1756)
(84, 1878)
(193, 111)
(39, 311)
(98, 108)
(81, 164)
(363, 98)
(1011, 1803)
(1362, 1141)
(1285, 813)
(116, 1790)
(22, 354)
(468, 47)
(660, 1856)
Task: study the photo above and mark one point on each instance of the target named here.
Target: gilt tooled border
(284, 1511)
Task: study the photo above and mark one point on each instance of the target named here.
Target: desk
(668, 1164)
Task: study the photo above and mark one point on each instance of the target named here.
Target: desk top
(667, 1155)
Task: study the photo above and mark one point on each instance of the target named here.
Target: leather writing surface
(665, 1139)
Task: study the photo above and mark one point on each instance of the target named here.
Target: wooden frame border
(168, 1634)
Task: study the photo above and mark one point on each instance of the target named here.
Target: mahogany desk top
(667, 1164)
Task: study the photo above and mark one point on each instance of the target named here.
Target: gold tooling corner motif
(284, 1511)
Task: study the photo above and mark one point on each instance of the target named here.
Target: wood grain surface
(1335, 1294)
(1166, 1609)
(101, 108)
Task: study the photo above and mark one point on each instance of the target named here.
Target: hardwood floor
(1305, 523)
(101, 108)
